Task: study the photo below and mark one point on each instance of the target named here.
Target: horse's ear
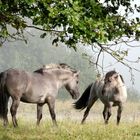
(76, 74)
(121, 78)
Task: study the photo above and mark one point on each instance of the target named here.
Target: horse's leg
(119, 111)
(90, 104)
(106, 113)
(51, 105)
(39, 113)
(5, 118)
(109, 113)
(13, 110)
(5, 122)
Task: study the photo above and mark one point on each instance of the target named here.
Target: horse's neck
(62, 77)
(98, 85)
(122, 89)
(123, 93)
(120, 83)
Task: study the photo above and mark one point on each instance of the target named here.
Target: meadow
(69, 127)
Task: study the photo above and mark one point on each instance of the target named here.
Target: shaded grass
(71, 130)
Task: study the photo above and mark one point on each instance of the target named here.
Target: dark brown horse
(111, 91)
(39, 87)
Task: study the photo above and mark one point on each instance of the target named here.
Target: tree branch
(38, 28)
(118, 60)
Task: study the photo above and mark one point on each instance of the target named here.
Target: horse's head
(72, 85)
(67, 75)
(112, 82)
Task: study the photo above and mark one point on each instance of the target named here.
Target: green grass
(69, 127)
(71, 130)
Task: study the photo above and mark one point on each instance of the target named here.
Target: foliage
(96, 23)
(72, 21)
(39, 52)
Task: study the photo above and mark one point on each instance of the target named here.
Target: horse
(111, 90)
(38, 87)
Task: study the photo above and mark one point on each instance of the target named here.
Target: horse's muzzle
(75, 95)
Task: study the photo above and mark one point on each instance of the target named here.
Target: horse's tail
(4, 97)
(83, 100)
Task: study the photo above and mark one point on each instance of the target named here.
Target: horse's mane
(55, 66)
(122, 78)
(111, 73)
(65, 66)
(51, 66)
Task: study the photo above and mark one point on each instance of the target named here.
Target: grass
(71, 130)
(69, 127)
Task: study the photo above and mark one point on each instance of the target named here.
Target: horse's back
(97, 87)
(16, 76)
(15, 80)
(114, 95)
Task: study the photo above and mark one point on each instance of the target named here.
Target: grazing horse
(111, 91)
(38, 87)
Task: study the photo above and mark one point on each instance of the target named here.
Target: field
(69, 127)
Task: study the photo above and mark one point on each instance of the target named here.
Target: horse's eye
(77, 82)
(116, 77)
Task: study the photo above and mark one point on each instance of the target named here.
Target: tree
(36, 54)
(90, 22)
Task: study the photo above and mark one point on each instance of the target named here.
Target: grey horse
(111, 90)
(38, 87)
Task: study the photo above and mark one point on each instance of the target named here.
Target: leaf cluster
(72, 21)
